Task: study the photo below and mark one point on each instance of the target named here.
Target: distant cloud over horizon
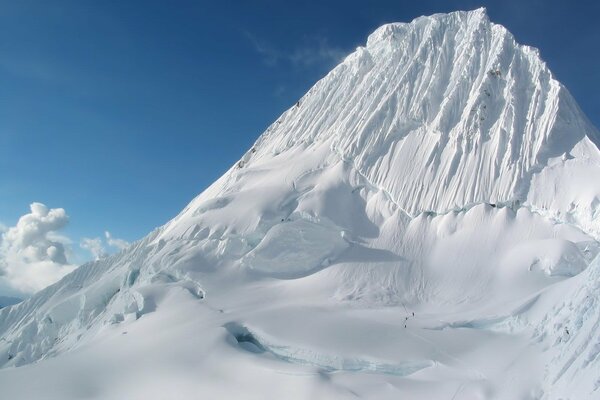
(97, 247)
(119, 244)
(33, 254)
(94, 246)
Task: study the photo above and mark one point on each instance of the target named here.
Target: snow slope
(422, 223)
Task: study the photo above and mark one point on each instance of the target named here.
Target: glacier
(422, 224)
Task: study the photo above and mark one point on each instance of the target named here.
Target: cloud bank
(32, 253)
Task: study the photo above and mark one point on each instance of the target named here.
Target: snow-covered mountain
(423, 223)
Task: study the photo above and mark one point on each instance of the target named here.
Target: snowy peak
(389, 32)
(442, 112)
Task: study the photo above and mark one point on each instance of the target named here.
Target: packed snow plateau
(422, 224)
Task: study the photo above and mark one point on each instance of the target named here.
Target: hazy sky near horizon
(121, 112)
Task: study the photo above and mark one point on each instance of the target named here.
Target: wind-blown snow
(421, 224)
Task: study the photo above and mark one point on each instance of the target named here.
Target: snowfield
(423, 224)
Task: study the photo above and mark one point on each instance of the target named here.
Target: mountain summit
(426, 213)
(441, 113)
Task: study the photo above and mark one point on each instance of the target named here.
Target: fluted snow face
(442, 112)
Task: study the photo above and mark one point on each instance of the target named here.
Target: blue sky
(122, 111)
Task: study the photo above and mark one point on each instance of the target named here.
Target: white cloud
(32, 254)
(94, 246)
(119, 244)
(97, 247)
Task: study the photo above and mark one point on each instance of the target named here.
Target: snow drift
(422, 223)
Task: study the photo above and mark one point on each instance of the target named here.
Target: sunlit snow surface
(441, 170)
